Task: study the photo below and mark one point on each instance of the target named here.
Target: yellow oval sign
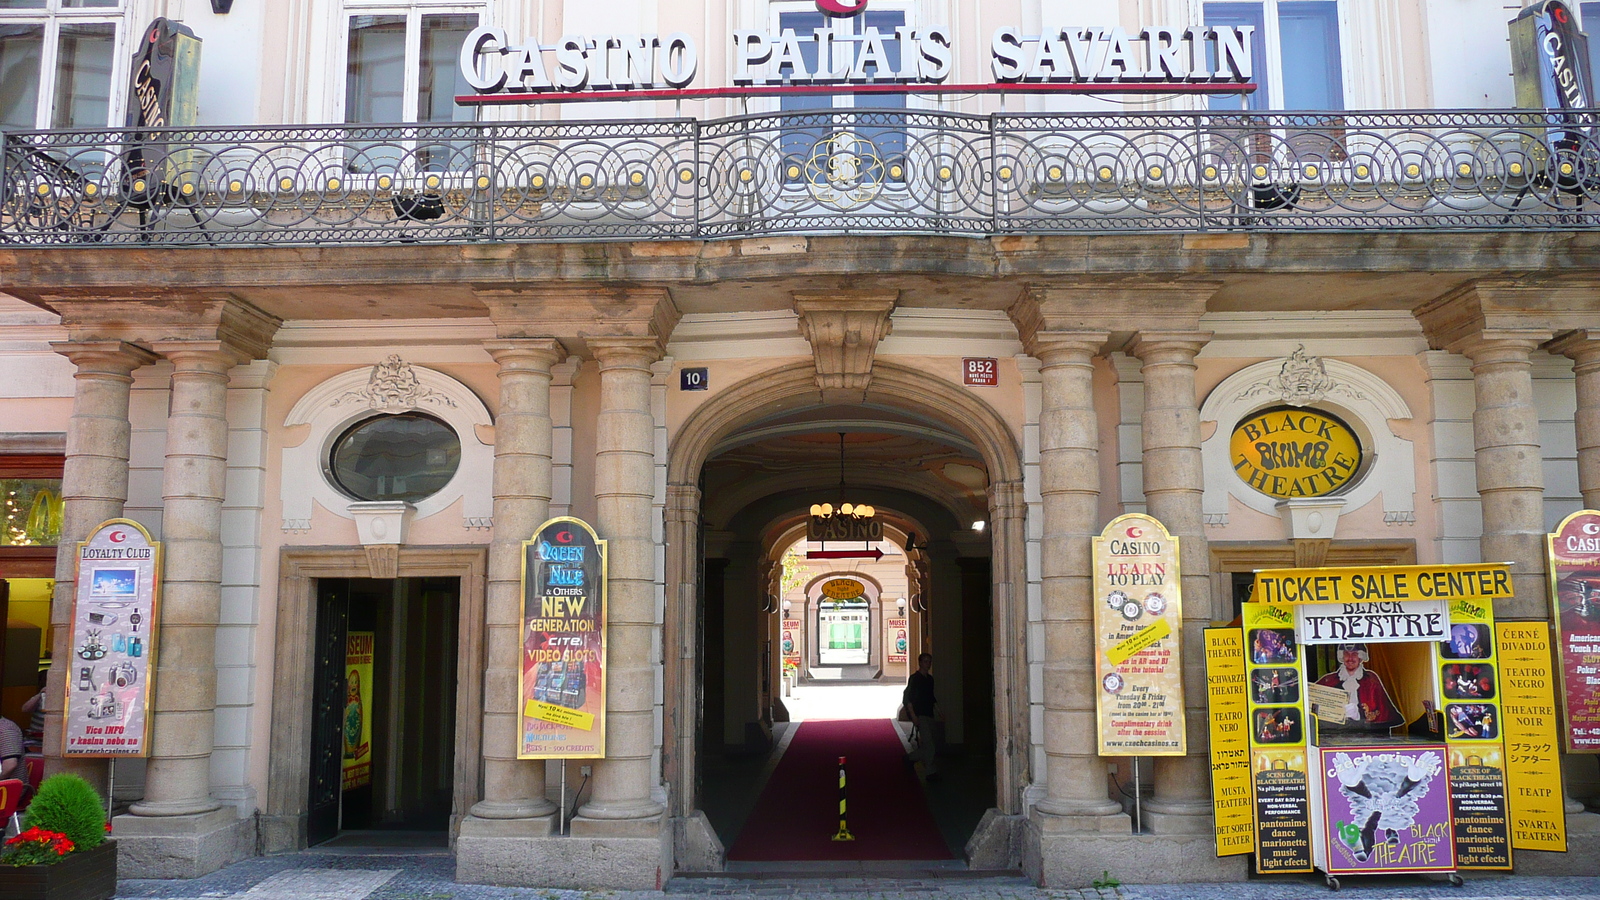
(1287, 452)
(842, 589)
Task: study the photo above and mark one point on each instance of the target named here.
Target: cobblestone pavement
(427, 876)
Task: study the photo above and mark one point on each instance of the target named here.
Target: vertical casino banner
(115, 613)
(1226, 693)
(1138, 622)
(1279, 758)
(358, 648)
(1574, 557)
(897, 637)
(563, 690)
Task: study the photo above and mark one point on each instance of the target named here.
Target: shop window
(57, 61)
(30, 501)
(408, 457)
(1296, 51)
(402, 66)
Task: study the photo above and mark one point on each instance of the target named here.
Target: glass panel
(404, 457)
(1241, 14)
(441, 81)
(375, 71)
(1308, 37)
(21, 4)
(21, 47)
(88, 4)
(1589, 14)
(83, 76)
(30, 511)
(891, 143)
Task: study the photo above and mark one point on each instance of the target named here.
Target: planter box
(90, 875)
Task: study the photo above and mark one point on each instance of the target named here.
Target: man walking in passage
(918, 697)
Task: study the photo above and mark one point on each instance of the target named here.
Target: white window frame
(52, 16)
(413, 13)
(1274, 48)
(775, 8)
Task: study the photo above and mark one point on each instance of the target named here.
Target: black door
(327, 710)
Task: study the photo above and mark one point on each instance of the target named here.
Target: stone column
(94, 487)
(514, 788)
(1008, 507)
(178, 777)
(1583, 347)
(1173, 486)
(624, 494)
(1069, 442)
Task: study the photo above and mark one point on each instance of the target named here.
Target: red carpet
(797, 815)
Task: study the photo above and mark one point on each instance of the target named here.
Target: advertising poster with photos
(114, 620)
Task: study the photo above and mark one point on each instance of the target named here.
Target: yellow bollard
(844, 829)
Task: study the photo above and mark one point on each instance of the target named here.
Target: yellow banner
(1533, 771)
(559, 715)
(1373, 584)
(1230, 742)
(1140, 641)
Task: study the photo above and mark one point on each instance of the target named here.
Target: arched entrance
(900, 401)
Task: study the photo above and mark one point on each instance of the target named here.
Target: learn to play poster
(358, 709)
(1138, 622)
(1388, 810)
(114, 625)
(563, 692)
(1574, 556)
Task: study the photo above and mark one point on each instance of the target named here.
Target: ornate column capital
(1060, 348)
(1118, 307)
(1582, 346)
(213, 357)
(844, 328)
(627, 352)
(1494, 310)
(1168, 346)
(170, 318)
(1499, 345)
(578, 314)
(539, 354)
(113, 358)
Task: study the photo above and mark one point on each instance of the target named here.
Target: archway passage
(785, 636)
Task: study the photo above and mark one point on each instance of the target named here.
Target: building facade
(343, 371)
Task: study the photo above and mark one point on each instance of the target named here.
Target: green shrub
(66, 803)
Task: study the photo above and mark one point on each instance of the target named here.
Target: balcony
(835, 172)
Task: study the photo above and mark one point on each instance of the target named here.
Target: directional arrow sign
(873, 554)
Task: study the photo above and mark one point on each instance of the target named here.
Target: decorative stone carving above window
(388, 388)
(1360, 398)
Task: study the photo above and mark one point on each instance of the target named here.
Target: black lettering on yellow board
(1226, 684)
(1533, 767)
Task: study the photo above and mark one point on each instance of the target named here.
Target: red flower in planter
(34, 845)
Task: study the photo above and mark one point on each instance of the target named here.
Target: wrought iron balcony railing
(833, 172)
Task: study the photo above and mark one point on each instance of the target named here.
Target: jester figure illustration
(1383, 791)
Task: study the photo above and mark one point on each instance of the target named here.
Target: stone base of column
(1178, 818)
(181, 846)
(633, 854)
(1075, 859)
(1583, 836)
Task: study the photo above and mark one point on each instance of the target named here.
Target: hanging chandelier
(845, 521)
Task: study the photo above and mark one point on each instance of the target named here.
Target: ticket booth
(1362, 712)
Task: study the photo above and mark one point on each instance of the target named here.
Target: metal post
(1138, 816)
(111, 787)
(844, 829)
(563, 828)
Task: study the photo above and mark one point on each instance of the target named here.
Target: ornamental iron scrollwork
(892, 171)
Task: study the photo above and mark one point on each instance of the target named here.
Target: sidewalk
(409, 875)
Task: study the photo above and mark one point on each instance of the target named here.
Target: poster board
(897, 640)
(1573, 552)
(1279, 761)
(115, 623)
(1533, 764)
(562, 700)
(1474, 739)
(1387, 809)
(1226, 685)
(1138, 623)
(357, 722)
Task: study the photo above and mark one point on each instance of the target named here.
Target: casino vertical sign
(1574, 555)
(1138, 624)
(563, 671)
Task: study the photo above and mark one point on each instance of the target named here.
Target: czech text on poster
(897, 635)
(358, 709)
(563, 698)
(1230, 741)
(1388, 810)
(1533, 769)
(1473, 728)
(1574, 552)
(1138, 618)
(114, 619)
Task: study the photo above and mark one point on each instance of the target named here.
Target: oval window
(404, 457)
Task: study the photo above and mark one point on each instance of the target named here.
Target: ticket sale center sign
(114, 618)
(563, 684)
(1138, 619)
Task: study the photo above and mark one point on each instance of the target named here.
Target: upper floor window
(1296, 52)
(57, 59)
(401, 63)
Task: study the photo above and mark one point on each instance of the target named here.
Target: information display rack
(1373, 726)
